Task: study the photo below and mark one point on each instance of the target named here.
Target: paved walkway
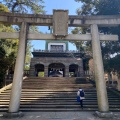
(61, 116)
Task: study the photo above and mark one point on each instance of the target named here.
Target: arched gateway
(56, 70)
(60, 22)
(38, 68)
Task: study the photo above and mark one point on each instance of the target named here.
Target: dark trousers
(81, 103)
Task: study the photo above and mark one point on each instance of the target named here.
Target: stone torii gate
(60, 22)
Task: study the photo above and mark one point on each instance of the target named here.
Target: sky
(69, 5)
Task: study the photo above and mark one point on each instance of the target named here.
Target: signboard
(60, 23)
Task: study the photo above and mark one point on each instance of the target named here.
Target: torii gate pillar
(18, 75)
(99, 71)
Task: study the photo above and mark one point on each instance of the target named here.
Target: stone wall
(46, 61)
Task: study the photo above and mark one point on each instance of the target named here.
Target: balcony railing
(55, 51)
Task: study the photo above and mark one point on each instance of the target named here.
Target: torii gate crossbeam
(47, 20)
(75, 37)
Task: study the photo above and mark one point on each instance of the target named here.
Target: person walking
(81, 96)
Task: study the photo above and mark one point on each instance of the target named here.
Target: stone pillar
(19, 69)
(32, 71)
(118, 85)
(81, 71)
(99, 71)
(78, 72)
(63, 72)
(66, 71)
(46, 71)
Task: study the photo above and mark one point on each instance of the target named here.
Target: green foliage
(28, 55)
(113, 64)
(41, 74)
(8, 49)
(109, 49)
(99, 7)
(4, 64)
(80, 45)
(85, 64)
(9, 45)
(3, 8)
(83, 46)
(27, 67)
(8, 52)
(25, 6)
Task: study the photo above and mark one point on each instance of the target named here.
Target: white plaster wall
(64, 45)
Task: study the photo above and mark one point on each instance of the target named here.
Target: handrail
(8, 86)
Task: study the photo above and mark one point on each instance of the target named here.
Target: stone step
(53, 100)
(57, 86)
(50, 89)
(51, 92)
(56, 94)
(58, 109)
(58, 103)
(59, 106)
(50, 109)
(54, 82)
(65, 109)
(57, 80)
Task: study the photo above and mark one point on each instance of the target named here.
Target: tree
(99, 7)
(8, 49)
(110, 50)
(25, 6)
(3, 8)
(3, 66)
(9, 46)
(28, 55)
(83, 47)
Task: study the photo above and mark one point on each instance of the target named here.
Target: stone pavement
(61, 116)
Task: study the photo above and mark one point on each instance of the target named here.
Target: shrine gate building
(57, 61)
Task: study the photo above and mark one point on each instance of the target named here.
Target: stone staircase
(56, 94)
